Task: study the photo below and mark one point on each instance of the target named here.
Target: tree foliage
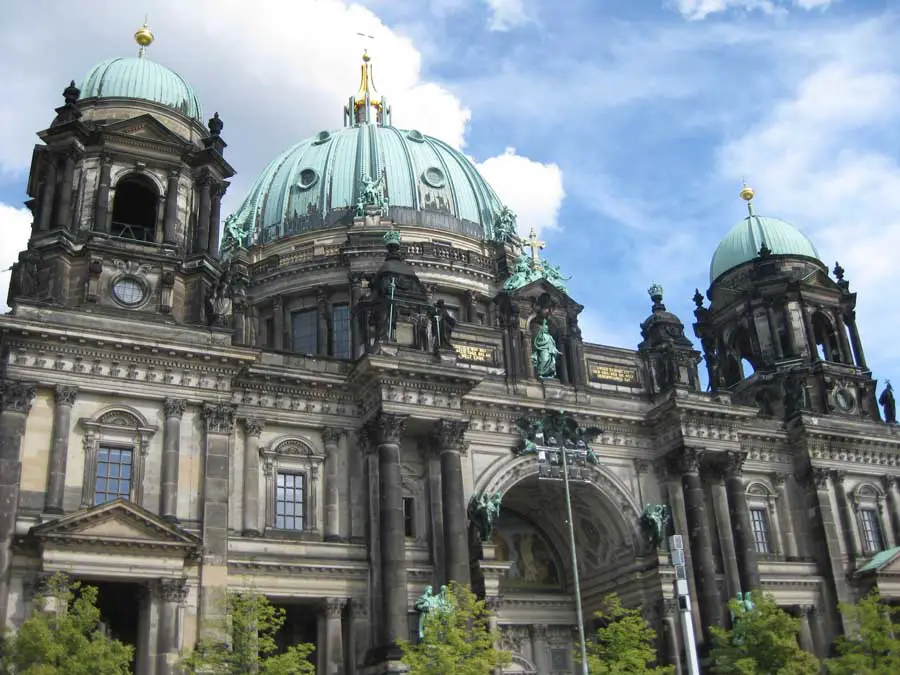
(623, 644)
(250, 627)
(763, 641)
(873, 648)
(456, 642)
(63, 636)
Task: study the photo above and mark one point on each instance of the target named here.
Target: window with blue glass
(114, 471)
(290, 505)
(340, 331)
(305, 331)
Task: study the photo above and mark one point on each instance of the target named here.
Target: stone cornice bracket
(254, 426)
(684, 460)
(174, 407)
(16, 396)
(65, 395)
(450, 435)
(387, 428)
(331, 435)
(219, 417)
(334, 607)
(170, 590)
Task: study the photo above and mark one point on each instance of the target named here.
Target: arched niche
(825, 335)
(135, 207)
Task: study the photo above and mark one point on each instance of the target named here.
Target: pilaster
(64, 397)
(783, 513)
(331, 439)
(174, 410)
(334, 638)
(253, 428)
(744, 543)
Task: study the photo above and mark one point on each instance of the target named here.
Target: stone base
(447, 357)
(384, 659)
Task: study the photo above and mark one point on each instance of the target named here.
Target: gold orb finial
(747, 193)
(143, 36)
(366, 57)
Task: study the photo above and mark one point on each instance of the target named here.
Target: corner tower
(125, 193)
(779, 332)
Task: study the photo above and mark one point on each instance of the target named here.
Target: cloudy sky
(620, 128)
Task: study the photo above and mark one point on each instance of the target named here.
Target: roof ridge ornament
(144, 37)
(363, 102)
(530, 267)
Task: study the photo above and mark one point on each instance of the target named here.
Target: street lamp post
(550, 459)
(677, 559)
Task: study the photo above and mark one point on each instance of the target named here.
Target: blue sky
(632, 122)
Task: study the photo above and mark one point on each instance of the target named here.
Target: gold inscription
(612, 374)
(474, 353)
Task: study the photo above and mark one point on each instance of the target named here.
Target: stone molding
(219, 418)
(387, 428)
(685, 461)
(174, 407)
(16, 396)
(254, 426)
(65, 395)
(170, 590)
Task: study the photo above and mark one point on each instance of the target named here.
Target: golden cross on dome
(535, 245)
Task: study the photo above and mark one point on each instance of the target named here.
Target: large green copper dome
(743, 243)
(141, 78)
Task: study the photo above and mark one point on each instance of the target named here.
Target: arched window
(134, 209)
(826, 338)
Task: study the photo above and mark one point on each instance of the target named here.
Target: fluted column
(170, 221)
(215, 215)
(893, 501)
(449, 435)
(169, 593)
(744, 542)
(334, 637)
(709, 600)
(331, 438)
(59, 448)
(64, 205)
(855, 341)
(849, 515)
(253, 428)
(15, 403)
(723, 528)
(168, 499)
(388, 430)
(101, 206)
(203, 215)
(48, 195)
(356, 279)
(783, 512)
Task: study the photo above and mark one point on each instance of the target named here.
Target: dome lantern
(363, 107)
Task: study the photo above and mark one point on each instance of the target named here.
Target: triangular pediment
(116, 523)
(539, 287)
(147, 128)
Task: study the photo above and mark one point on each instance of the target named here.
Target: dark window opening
(119, 605)
(412, 624)
(340, 331)
(134, 210)
(409, 517)
(760, 524)
(826, 338)
(114, 474)
(270, 333)
(871, 531)
(305, 331)
(300, 627)
(290, 505)
(479, 318)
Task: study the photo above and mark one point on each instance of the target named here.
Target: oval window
(129, 291)
(434, 177)
(308, 178)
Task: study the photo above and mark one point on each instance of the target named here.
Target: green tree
(873, 648)
(623, 644)
(251, 626)
(763, 641)
(456, 642)
(63, 636)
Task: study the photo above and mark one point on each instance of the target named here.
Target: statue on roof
(505, 225)
(888, 403)
(544, 353)
(235, 236)
(371, 196)
(529, 267)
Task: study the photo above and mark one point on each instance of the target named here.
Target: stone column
(805, 636)
(59, 448)
(849, 515)
(169, 593)
(708, 597)
(449, 436)
(773, 330)
(893, 501)
(170, 221)
(783, 513)
(887, 524)
(675, 490)
(253, 428)
(15, 403)
(278, 323)
(793, 349)
(830, 536)
(810, 335)
(331, 438)
(436, 511)
(64, 205)
(48, 195)
(744, 542)
(334, 637)
(723, 527)
(855, 341)
(395, 605)
(168, 498)
(219, 419)
(203, 215)
(101, 206)
(215, 215)
(846, 354)
(670, 633)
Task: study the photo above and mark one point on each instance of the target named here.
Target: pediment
(539, 287)
(119, 523)
(147, 128)
(891, 567)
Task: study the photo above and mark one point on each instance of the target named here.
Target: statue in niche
(886, 400)
(483, 511)
(429, 602)
(421, 325)
(444, 323)
(219, 303)
(544, 353)
(655, 521)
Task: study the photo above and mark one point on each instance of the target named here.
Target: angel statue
(371, 194)
(429, 602)
(483, 511)
(655, 520)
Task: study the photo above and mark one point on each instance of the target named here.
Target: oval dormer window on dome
(134, 209)
(322, 137)
(416, 136)
(308, 178)
(434, 177)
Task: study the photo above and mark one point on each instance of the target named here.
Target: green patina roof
(313, 184)
(743, 242)
(141, 78)
(879, 560)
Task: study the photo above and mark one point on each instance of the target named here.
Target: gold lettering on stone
(600, 373)
(475, 353)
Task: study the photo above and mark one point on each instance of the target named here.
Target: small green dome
(743, 242)
(141, 78)
(316, 184)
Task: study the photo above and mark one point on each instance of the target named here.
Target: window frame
(294, 316)
(765, 530)
(131, 464)
(296, 456)
(868, 498)
(332, 327)
(868, 515)
(762, 497)
(119, 428)
(304, 505)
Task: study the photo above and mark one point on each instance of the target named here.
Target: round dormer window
(129, 291)
(308, 178)
(434, 177)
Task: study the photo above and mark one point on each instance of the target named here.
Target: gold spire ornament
(747, 195)
(144, 38)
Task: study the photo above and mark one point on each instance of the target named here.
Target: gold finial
(143, 37)
(747, 193)
(366, 58)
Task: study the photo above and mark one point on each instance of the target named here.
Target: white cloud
(506, 14)
(700, 9)
(534, 191)
(15, 223)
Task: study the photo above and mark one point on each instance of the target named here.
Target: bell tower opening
(826, 338)
(134, 209)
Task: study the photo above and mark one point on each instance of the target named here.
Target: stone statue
(886, 400)
(421, 324)
(529, 429)
(483, 511)
(371, 194)
(429, 602)
(235, 236)
(544, 353)
(504, 225)
(444, 324)
(655, 520)
(220, 302)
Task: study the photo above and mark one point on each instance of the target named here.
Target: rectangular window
(760, 524)
(305, 331)
(412, 621)
(113, 482)
(270, 333)
(871, 531)
(290, 511)
(409, 517)
(340, 331)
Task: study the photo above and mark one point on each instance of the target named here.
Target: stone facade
(272, 422)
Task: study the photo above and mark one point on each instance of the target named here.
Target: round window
(322, 137)
(129, 291)
(416, 136)
(308, 178)
(434, 177)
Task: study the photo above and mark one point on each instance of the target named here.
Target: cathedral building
(318, 404)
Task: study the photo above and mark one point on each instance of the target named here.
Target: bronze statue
(888, 403)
